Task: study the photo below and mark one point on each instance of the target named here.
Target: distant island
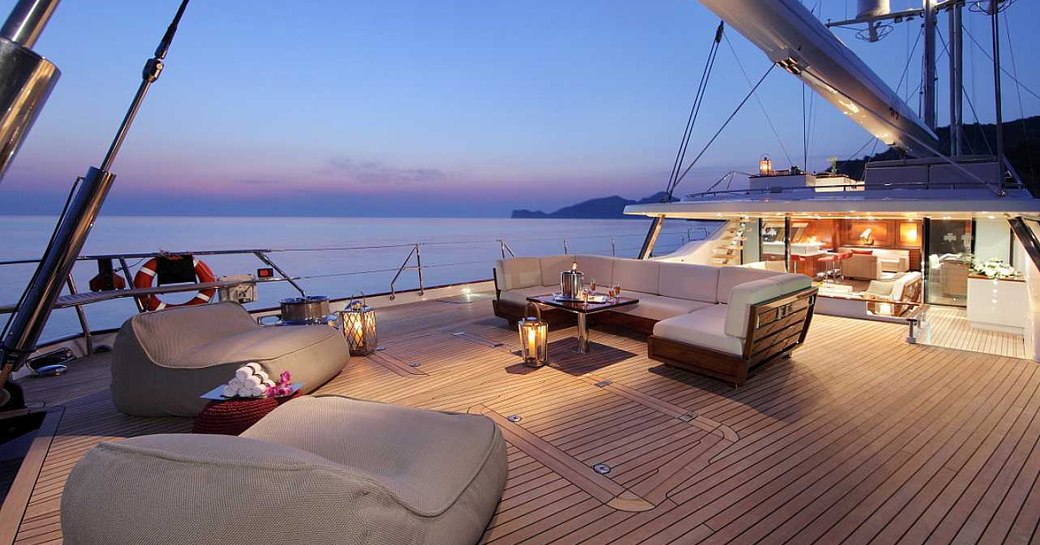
(602, 208)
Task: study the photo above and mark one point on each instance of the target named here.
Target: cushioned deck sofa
(718, 321)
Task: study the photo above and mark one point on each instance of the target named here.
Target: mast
(929, 64)
(956, 78)
(994, 12)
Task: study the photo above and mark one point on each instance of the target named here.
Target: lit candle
(532, 346)
(359, 333)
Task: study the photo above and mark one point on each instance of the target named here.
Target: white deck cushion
(638, 275)
(596, 267)
(657, 307)
(518, 272)
(692, 282)
(701, 328)
(520, 296)
(731, 276)
(552, 266)
(315, 470)
(744, 295)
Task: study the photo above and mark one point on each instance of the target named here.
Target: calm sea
(334, 256)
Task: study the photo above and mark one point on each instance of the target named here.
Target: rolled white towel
(248, 370)
(253, 381)
(256, 391)
(230, 391)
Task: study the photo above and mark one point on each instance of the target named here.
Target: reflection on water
(454, 250)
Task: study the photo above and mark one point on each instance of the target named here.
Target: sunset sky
(418, 108)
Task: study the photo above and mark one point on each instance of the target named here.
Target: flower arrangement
(994, 268)
(283, 387)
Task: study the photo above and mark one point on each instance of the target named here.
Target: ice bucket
(570, 283)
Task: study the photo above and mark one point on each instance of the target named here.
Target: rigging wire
(758, 99)
(724, 124)
(967, 98)
(1002, 69)
(698, 101)
(1018, 88)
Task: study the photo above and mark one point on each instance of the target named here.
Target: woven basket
(234, 416)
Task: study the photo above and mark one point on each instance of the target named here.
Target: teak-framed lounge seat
(718, 321)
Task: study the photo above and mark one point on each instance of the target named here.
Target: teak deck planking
(858, 438)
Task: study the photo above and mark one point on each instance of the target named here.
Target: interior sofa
(325, 469)
(163, 361)
(891, 260)
(718, 321)
(862, 264)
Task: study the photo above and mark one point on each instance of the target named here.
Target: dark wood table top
(578, 306)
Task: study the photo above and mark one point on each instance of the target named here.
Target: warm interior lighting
(908, 232)
(864, 237)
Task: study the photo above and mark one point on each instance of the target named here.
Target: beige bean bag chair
(163, 361)
(315, 470)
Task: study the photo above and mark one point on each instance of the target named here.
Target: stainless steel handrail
(844, 188)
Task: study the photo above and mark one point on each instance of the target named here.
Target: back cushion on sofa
(637, 275)
(732, 276)
(518, 272)
(742, 297)
(596, 267)
(552, 266)
(693, 282)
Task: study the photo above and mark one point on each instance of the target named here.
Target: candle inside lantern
(359, 333)
(532, 344)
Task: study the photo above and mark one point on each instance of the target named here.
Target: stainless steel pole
(26, 22)
(929, 63)
(27, 323)
(994, 13)
(956, 78)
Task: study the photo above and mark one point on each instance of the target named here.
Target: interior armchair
(865, 266)
(886, 295)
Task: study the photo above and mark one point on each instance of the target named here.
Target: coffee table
(582, 310)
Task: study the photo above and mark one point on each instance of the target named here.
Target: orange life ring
(145, 275)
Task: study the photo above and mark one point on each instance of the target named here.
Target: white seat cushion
(518, 272)
(658, 307)
(705, 328)
(687, 281)
(638, 275)
(520, 295)
(749, 293)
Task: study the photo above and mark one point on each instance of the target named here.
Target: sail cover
(792, 37)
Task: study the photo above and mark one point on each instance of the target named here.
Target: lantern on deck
(534, 336)
(358, 322)
(765, 166)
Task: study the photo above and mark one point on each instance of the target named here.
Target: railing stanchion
(565, 251)
(418, 267)
(613, 248)
(82, 316)
(130, 282)
(263, 257)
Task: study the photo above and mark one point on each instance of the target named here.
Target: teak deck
(859, 437)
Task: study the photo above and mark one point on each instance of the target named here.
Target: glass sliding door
(949, 255)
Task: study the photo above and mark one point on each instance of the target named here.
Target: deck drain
(688, 417)
(602, 469)
(604, 383)
(514, 418)
(380, 348)
(414, 364)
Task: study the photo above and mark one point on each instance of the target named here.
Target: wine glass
(592, 286)
(617, 291)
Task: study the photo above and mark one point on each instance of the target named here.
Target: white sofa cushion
(596, 267)
(637, 275)
(552, 266)
(518, 272)
(692, 282)
(658, 307)
(731, 276)
(744, 295)
(520, 296)
(701, 328)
